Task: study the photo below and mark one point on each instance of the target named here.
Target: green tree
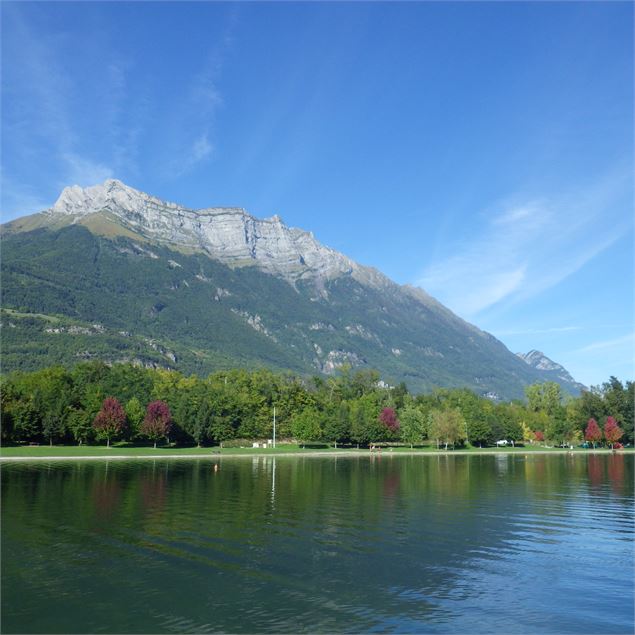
(560, 430)
(413, 425)
(479, 430)
(54, 418)
(399, 394)
(135, 414)
(619, 403)
(306, 426)
(446, 426)
(545, 397)
(361, 426)
(337, 424)
(508, 416)
(26, 420)
(201, 422)
(221, 429)
(79, 423)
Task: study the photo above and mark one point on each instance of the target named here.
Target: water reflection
(596, 470)
(615, 471)
(422, 544)
(153, 489)
(106, 495)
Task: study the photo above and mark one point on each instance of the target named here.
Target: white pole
(273, 482)
(274, 426)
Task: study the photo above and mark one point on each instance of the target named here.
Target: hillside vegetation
(70, 295)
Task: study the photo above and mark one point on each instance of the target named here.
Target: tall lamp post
(274, 426)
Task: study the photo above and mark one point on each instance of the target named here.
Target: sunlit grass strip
(122, 451)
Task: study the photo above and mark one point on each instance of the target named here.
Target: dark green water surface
(470, 544)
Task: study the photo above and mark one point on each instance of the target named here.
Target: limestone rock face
(228, 234)
(538, 360)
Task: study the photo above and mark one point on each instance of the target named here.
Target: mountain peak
(78, 201)
(228, 234)
(538, 360)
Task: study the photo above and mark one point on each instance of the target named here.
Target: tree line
(95, 402)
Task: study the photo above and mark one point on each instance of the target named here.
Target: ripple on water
(435, 544)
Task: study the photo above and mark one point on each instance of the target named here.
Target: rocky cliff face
(228, 234)
(539, 361)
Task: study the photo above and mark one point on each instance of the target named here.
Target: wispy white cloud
(537, 331)
(20, 198)
(202, 148)
(43, 120)
(199, 150)
(624, 343)
(191, 142)
(83, 171)
(614, 356)
(68, 121)
(495, 284)
(523, 249)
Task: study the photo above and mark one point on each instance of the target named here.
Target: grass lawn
(125, 450)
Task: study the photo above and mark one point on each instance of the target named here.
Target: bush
(238, 443)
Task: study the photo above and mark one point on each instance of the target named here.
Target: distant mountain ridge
(113, 273)
(538, 360)
(228, 234)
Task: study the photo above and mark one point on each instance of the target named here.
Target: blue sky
(481, 150)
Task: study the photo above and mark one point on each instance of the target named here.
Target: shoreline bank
(309, 453)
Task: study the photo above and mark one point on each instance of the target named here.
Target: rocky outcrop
(539, 361)
(228, 234)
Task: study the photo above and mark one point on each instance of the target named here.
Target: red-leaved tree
(388, 418)
(592, 432)
(612, 432)
(540, 436)
(157, 422)
(110, 420)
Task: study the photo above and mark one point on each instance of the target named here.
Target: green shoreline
(119, 454)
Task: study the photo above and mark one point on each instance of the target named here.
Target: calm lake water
(470, 544)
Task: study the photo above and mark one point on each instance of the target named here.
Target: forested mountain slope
(115, 274)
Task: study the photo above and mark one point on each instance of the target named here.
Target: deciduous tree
(110, 420)
(388, 418)
(592, 432)
(306, 425)
(446, 426)
(479, 430)
(337, 425)
(612, 432)
(157, 421)
(135, 413)
(79, 424)
(412, 425)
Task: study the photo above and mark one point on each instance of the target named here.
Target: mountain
(110, 272)
(559, 374)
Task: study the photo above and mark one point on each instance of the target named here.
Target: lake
(421, 544)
